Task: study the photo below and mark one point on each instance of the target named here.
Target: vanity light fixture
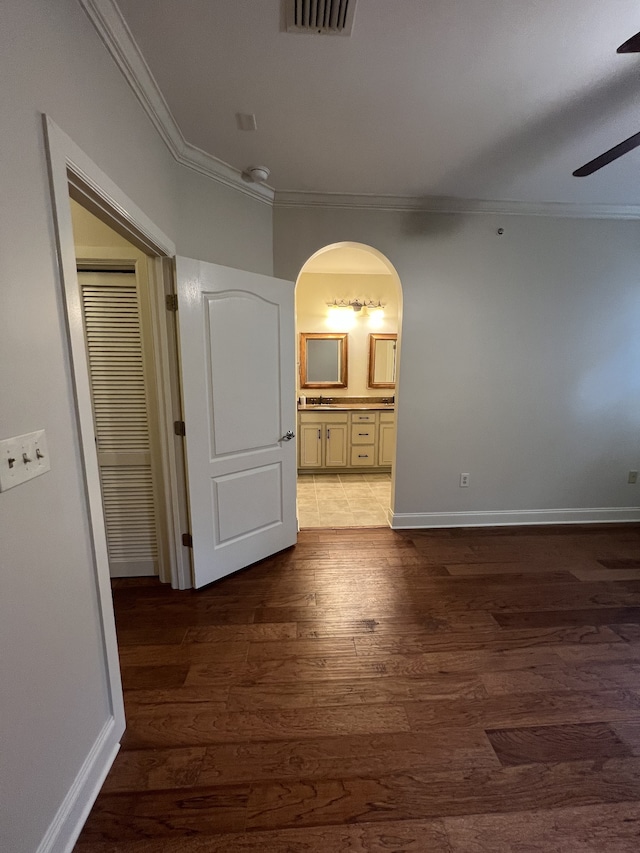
(343, 313)
(357, 305)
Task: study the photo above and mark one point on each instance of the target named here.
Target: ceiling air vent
(320, 17)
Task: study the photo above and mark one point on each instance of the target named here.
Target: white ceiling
(477, 99)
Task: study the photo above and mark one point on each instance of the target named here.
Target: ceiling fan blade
(608, 156)
(631, 45)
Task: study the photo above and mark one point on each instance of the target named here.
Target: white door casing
(238, 379)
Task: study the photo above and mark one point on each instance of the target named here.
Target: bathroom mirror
(382, 361)
(323, 360)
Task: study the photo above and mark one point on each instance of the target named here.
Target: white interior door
(238, 374)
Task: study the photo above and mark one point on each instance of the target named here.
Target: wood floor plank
(314, 669)
(424, 836)
(214, 695)
(542, 744)
(151, 636)
(585, 677)
(629, 732)
(342, 623)
(605, 653)
(421, 642)
(235, 633)
(585, 573)
(154, 769)
(629, 633)
(345, 757)
(361, 691)
(167, 814)
(424, 795)
(538, 568)
(283, 649)
(184, 654)
(182, 614)
(609, 828)
(473, 660)
(150, 677)
(555, 618)
(526, 709)
(184, 725)
(621, 563)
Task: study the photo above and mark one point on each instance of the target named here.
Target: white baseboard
(597, 515)
(69, 820)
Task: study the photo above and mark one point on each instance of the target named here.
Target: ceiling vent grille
(320, 17)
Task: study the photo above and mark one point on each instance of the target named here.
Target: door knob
(289, 434)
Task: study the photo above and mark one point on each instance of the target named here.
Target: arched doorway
(348, 325)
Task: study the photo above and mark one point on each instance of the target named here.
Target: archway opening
(348, 328)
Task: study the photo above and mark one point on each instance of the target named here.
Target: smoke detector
(320, 17)
(257, 174)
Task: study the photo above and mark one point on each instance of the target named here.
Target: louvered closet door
(116, 366)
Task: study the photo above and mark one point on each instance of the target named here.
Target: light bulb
(376, 317)
(340, 318)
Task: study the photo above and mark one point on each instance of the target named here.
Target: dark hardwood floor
(369, 690)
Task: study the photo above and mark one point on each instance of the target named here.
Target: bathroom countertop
(345, 407)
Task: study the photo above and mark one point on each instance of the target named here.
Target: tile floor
(343, 500)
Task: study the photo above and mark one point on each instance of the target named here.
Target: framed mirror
(382, 361)
(323, 360)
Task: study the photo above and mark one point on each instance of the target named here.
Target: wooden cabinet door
(310, 444)
(336, 443)
(386, 444)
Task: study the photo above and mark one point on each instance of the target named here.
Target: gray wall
(219, 224)
(53, 695)
(520, 355)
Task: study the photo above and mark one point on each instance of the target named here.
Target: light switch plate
(22, 458)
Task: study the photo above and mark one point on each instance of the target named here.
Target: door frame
(73, 173)
(356, 244)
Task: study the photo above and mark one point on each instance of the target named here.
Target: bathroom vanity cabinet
(346, 440)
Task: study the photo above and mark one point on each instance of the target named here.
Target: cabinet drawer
(324, 417)
(387, 417)
(363, 417)
(363, 456)
(363, 433)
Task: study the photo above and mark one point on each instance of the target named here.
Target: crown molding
(443, 204)
(115, 34)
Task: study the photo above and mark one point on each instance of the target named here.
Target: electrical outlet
(464, 480)
(632, 478)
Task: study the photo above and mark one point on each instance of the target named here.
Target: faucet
(320, 400)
